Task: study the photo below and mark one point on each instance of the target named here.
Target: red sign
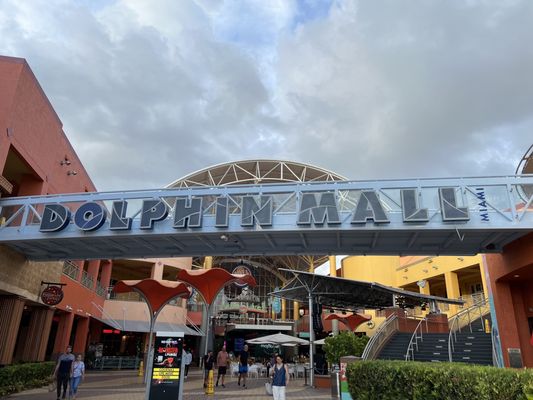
(52, 295)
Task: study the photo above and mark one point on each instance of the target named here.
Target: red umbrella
(351, 320)
(209, 282)
(157, 293)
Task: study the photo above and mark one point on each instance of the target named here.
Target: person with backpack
(280, 378)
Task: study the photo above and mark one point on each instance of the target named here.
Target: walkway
(125, 385)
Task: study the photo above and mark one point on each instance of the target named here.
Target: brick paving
(126, 385)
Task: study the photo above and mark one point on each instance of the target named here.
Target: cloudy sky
(149, 91)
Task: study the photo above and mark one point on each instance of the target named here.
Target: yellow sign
(166, 373)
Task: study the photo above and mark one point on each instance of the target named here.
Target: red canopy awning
(157, 293)
(351, 320)
(209, 281)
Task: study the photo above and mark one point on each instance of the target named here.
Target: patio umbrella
(321, 341)
(278, 338)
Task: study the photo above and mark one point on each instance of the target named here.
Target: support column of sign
(38, 333)
(333, 273)
(311, 341)
(204, 342)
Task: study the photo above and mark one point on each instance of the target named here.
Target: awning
(347, 294)
(144, 326)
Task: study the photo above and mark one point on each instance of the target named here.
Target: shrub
(344, 344)
(401, 380)
(18, 377)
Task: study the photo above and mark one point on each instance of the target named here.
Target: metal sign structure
(423, 216)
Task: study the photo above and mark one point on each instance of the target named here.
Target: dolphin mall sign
(424, 216)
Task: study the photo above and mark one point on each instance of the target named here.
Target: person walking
(222, 364)
(62, 371)
(208, 366)
(243, 366)
(187, 360)
(77, 373)
(280, 374)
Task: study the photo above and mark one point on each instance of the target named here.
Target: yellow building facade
(445, 276)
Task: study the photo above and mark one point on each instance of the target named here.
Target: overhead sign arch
(425, 216)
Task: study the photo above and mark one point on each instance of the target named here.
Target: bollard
(210, 389)
(141, 369)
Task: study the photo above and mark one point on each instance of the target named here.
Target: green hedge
(399, 380)
(18, 377)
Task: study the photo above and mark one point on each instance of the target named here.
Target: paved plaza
(126, 385)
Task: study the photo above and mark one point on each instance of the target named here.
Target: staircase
(395, 347)
(473, 348)
(466, 342)
(433, 348)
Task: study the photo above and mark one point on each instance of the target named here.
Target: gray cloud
(149, 92)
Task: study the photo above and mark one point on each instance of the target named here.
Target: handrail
(497, 360)
(414, 340)
(384, 332)
(454, 325)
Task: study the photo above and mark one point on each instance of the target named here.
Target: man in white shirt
(188, 360)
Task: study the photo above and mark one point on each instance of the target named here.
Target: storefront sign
(167, 380)
(319, 209)
(52, 295)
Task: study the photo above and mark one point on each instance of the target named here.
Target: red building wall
(511, 280)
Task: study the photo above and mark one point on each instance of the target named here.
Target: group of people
(278, 370)
(69, 373)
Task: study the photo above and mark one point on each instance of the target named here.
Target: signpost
(166, 380)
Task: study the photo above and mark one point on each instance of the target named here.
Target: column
(333, 273)
(483, 279)
(10, 314)
(283, 309)
(157, 271)
(80, 340)
(64, 330)
(425, 289)
(92, 271)
(38, 333)
(208, 262)
(452, 290)
(105, 273)
(296, 310)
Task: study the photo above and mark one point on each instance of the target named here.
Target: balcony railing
(87, 280)
(71, 270)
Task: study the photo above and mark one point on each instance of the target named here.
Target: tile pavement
(126, 385)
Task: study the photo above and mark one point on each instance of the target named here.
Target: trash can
(335, 385)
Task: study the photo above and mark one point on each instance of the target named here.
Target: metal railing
(413, 342)
(497, 359)
(87, 280)
(128, 296)
(388, 328)
(100, 290)
(118, 362)
(463, 320)
(71, 270)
